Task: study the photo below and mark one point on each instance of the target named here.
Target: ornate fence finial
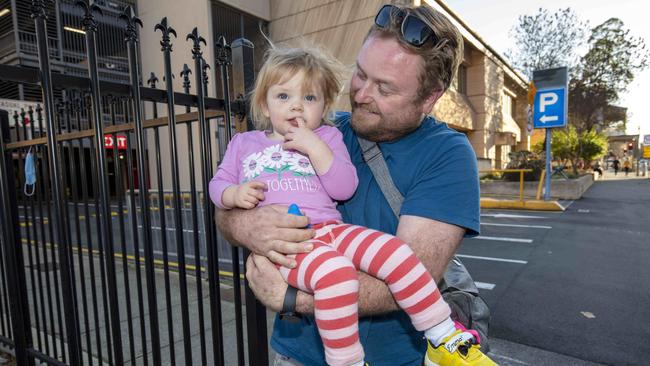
(38, 8)
(205, 73)
(166, 31)
(131, 31)
(224, 53)
(186, 76)
(153, 79)
(89, 23)
(197, 39)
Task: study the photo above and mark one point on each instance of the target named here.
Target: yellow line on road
(132, 258)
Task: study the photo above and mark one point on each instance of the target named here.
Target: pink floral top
(288, 175)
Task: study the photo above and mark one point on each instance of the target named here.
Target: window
(459, 83)
(508, 104)
(232, 24)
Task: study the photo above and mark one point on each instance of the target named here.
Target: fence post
(200, 68)
(71, 312)
(224, 59)
(131, 37)
(166, 44)
(243, 83)
(12, 252)
(89, 25)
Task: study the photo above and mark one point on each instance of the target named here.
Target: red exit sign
(110, 141)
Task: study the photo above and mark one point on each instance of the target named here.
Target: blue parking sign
(550, 108)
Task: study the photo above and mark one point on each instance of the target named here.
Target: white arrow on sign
(545, 118)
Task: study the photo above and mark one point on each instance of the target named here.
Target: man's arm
(268, 231)
(434, 243)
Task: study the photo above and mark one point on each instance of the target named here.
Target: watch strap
(289, 305)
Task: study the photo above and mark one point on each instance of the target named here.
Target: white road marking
(497, 238)
(515, 225)
(588, 314)
(492, 259)
(171, 229)
(512, 216)
(484, 285)
(507, 358)
(569, 205)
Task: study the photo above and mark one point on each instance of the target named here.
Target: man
(405, 64)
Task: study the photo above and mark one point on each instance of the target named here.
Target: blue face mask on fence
(30, 174)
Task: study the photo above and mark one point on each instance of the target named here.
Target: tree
(593, 145)
(546, 40)
(606, 69)
(603, 73)
(569, 145)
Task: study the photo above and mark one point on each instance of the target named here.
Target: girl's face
(287, 103)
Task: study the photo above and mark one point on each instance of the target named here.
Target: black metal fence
(114, 258)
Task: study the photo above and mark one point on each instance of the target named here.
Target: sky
(494, 19)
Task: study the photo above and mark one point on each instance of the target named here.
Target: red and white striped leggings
(329, 271)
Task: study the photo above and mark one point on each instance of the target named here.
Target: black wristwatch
(288, 311)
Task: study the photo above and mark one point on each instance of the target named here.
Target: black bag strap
(456, 274)
(375, 160)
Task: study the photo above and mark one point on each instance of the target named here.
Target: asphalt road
(575, 283)
(570, 288)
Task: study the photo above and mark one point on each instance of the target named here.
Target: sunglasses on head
(414, 31)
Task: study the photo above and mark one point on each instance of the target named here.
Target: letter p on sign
(546, 99)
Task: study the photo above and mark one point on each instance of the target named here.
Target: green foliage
(568, 145)
(593, 145)
(492, 176)
(524, 160)
(564, 143)
(603, 73)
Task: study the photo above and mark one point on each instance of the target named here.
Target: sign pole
(549, 173)
(550, 108)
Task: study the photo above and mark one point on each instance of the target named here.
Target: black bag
(467, 306)
(457, 287)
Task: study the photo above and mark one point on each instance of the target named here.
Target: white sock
(360, 363)
(439, 332)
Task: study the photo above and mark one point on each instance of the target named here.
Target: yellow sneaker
(458, 349)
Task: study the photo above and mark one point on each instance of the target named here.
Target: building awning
(510, 132)
(505, 138)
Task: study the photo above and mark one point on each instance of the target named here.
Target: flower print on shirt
(253, 165)
(300, 165)
(274, 159)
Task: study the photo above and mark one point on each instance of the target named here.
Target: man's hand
(266, 282)
(268, 231)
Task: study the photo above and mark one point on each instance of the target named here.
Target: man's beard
(366, 121)
(369, 123)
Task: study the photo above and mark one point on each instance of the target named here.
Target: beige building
(487, 101)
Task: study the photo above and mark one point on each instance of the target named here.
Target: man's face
(383, 91)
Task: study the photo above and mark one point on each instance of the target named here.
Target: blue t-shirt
(435, 170)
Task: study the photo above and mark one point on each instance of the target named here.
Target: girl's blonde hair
(321, 71)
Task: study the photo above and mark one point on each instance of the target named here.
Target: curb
(536, 205)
